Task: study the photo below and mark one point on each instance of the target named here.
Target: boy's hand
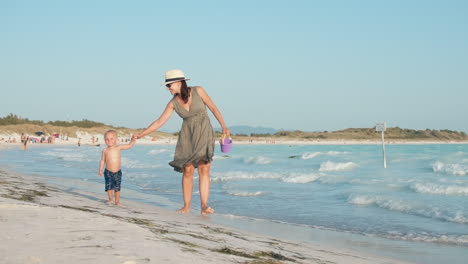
(135, 136)
(100, 174)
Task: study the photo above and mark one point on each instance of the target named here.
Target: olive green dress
(196, 137)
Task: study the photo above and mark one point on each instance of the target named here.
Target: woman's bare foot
(207, 211)
(183, 210)
(110, 202)
(119, 204)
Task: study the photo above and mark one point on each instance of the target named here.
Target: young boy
(110, 159)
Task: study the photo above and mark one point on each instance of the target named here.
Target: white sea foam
(217, 157)
(239, 175)
(409, 208)
(63, 150)
(260, 160)
(452, 169)
(68, 156)
(302, 178)
(136, 164)
(442, 239)
(335, 153)
(311, 155)
(337, 166)
(438, 189)
(157, 151)
(245, 194)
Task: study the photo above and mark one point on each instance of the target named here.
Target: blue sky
(305, 65)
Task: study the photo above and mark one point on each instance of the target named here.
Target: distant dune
(13, 124)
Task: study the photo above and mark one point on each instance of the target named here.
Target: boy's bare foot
(183, 210)
(119, 204)
(110, 202)
(207, 211)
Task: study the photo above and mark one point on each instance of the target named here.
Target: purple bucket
(226, 144)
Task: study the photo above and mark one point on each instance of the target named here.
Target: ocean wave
(68, 156)
(461, 240)
(284, 177)
(409, 208)
(450, 168)
(157, 151)
(63, 150)
(302, 178)
(218, 157)
(245, 194)
(438, 189)
(136, 164)
(240, 175)
(337, 166)
(452, 239)
(260, 160)
(311, 155)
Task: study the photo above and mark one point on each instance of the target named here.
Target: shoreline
(295, 142)
(45, 218)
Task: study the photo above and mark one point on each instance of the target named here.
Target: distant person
(25, 142)
(110, 165)
(79, 142)
(195, 146)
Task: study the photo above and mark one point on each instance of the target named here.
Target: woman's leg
(187, 187)
(204, 175)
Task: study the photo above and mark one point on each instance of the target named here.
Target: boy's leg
(187, 187)
(117, 198)
(110, 194)
(109, 187)
(117, 182)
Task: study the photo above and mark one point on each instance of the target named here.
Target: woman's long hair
(184, 91)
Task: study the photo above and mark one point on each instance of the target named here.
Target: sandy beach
(42, 223)
(89, 139)
(45, 223)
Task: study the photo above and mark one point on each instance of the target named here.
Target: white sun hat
(173, 76)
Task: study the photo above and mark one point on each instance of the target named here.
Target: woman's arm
(211, 105)
(129, 145)
(158, 122)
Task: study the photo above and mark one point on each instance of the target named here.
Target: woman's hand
(226, 132)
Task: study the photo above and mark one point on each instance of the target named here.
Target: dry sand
(41, 223)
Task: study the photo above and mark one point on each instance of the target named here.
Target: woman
(195, 146)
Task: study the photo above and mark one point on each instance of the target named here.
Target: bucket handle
(223, 137)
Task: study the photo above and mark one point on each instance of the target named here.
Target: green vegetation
(394, 133)
(14, 123)
(12, 119)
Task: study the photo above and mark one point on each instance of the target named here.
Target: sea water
(415, 209)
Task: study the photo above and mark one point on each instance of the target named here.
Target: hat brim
(166, 83)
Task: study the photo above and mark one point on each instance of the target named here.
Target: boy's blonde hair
(110, 131)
